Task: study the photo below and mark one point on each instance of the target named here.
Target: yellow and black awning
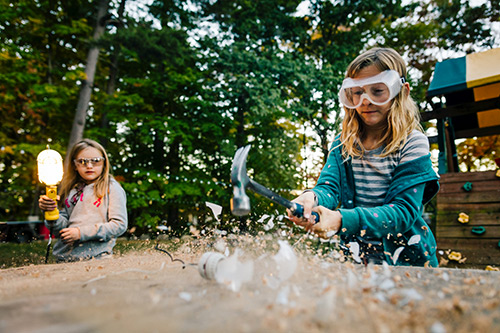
(479, 72)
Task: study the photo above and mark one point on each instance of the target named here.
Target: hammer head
(240, 203)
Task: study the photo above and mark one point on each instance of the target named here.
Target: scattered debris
(354, 249)
(185, 296)
(216, 209)
(396, 254)
(233, 272)
(415, 239)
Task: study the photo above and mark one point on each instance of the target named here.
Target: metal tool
(240, 203)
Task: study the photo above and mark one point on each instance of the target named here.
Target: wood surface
(482, 205)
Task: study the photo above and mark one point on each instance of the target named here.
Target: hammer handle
(295, 208)
(299, 212)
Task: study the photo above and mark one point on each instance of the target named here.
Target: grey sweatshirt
(100, 222)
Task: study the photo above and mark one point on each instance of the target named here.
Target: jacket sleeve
(117, 221)
(393, 218)
(328, 187)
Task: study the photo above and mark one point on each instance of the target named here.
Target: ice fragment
(414, 239)
(396, 254)
(437, 327)
(185, 296)
(233, 272)
(216, 209)
(282, 297)
(354, 248)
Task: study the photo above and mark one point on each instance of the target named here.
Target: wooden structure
(476, 194)
(465, 94)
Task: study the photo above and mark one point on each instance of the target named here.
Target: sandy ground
(147, 292)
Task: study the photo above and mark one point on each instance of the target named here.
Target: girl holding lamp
(93, 212)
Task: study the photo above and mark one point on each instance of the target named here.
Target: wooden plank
(477, 186)
(470, 244)
(467, 176)
(485, 131)
(473, 257)
(479, 252)
(477, 207)
(470, 197)
(463, 231)
(461, 109)
(450, 218)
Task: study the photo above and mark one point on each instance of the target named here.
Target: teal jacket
(395, 222)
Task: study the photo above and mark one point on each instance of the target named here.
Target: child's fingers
(46, 204)
(66, 235)
(307, 200)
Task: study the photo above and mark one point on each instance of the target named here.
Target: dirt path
(147, 292)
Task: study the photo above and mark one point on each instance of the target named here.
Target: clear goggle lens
(378, 89)
(87, 161)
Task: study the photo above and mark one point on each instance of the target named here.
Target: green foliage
(196, 82)
(40, 48)
(18, 255)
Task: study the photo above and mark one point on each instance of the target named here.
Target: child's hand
(47, 204)
(329, 224)
(70, 235)
(306, 199)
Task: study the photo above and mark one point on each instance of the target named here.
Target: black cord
(48, 247)
(157, 247)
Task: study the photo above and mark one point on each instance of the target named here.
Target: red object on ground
(44, 231)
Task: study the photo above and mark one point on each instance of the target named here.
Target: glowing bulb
(50, 167)
(50, 172)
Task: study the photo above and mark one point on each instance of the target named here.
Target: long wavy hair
(403, 116)
(72, 178)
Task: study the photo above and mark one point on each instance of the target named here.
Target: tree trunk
(174, 169)
(113, 74)
(88, 83)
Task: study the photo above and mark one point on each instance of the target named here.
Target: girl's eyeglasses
(87, 161)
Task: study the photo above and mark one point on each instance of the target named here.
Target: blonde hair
(72, 178)
(403, 116)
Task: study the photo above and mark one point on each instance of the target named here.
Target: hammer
(240, 203)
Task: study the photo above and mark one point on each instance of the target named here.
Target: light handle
(51, 192)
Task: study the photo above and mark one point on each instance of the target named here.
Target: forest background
(180, 85)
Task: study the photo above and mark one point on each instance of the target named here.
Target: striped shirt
(373, 174)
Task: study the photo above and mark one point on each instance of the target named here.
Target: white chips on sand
(233, 272)
(286, 261)
(270, 223)
(281, 267)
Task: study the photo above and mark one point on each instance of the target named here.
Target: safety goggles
(378, 89)
(88, 161)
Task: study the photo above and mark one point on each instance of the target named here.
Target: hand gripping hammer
(240, 203)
